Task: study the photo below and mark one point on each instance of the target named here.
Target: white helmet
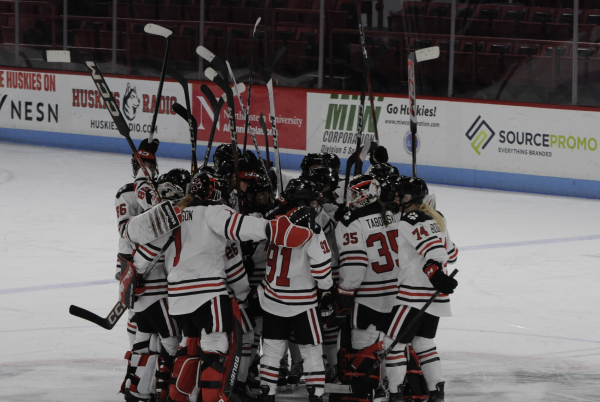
(363, 190)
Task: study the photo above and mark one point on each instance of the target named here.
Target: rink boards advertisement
(540, 149)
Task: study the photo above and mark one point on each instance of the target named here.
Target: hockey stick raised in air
(261, 120)
(216, 107)
(247, 124)
(268, 78)
(119, 309)
(154, 29)
(369, 63)
(192, 123)
(418, 56)
(245, 111)
(224, 85)
(68, 56)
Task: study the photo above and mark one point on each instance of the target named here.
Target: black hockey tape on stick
(192, 123)
(224, 85)
(154, 29)
(268, 77)
(263, 125)
(119, 309)
(68, 56)
(216, 106)
(247, 123)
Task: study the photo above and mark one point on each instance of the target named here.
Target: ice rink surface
(526, 325)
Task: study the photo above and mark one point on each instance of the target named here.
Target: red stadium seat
(438, 9)
(427, 24)
(84, 38)
(504, 29)
(476, 27)
(531, 30)
(144, 11)
(169, 13)
(559, 32)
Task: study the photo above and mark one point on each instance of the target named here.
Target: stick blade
(57, 56)
(256, 24)
(210, 73)
(205, 53)
(89, 316)
(241, 87)
(429, 53)
(154, 29)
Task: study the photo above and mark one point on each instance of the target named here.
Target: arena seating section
(527, 43)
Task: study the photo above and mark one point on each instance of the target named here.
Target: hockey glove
(164, 218)
(325, 303)
(282, 232)
(342, 302)
(437, 277)
(339, 214)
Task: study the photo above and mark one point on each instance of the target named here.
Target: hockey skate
(282, 380)
(242, 391)
(265, 397)
(311, 395)
(397, 396)
(295, 374)
(438, 394)
(382, 394)
(331, 374)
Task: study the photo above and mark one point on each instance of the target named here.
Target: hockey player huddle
(249, 281)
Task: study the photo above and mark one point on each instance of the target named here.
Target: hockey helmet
(173, 184)
(326, 178)
(147, 152)
(384, 171)
(302, 192)
(413, 186)
(259, 195)
(223, 160)
(312, 160)
(332, 161)
(363, 190)
(209, 187)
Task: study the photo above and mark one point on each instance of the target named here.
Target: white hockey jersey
(293, 274)
(127, 207)
(196, 260)
(420, 239)
(156, 282)
(327, 222)
(369, 257)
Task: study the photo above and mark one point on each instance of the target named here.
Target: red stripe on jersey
(398, 320)
(354, 258)
(269, 374)
(316, 379)
(316, 328)
(156, 287)
(401, 356)
(374, 289)
(427, 355)
(320, 272)
(132, 326)
(196, 286)
(148, 251)
(235, 219)
(454, 254)
(217, 323)
(236, 273)
(402, 292)
(429, 245)
(291, 297)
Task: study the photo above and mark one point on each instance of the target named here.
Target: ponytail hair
(435, 215)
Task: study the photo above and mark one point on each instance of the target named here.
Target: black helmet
(259, 195)
(209, 187)
(312, 159)
(173, 184)
(301, 192)
(147, 152)
(223, 160)
(332, 161)
(326, 178)
(384, 171)
(414, 187)
(249, 163)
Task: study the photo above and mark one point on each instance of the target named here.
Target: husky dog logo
(130, 102)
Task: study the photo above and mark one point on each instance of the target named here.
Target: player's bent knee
(215, 342)
(420, 344)
(363, 338)
(170, 344)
